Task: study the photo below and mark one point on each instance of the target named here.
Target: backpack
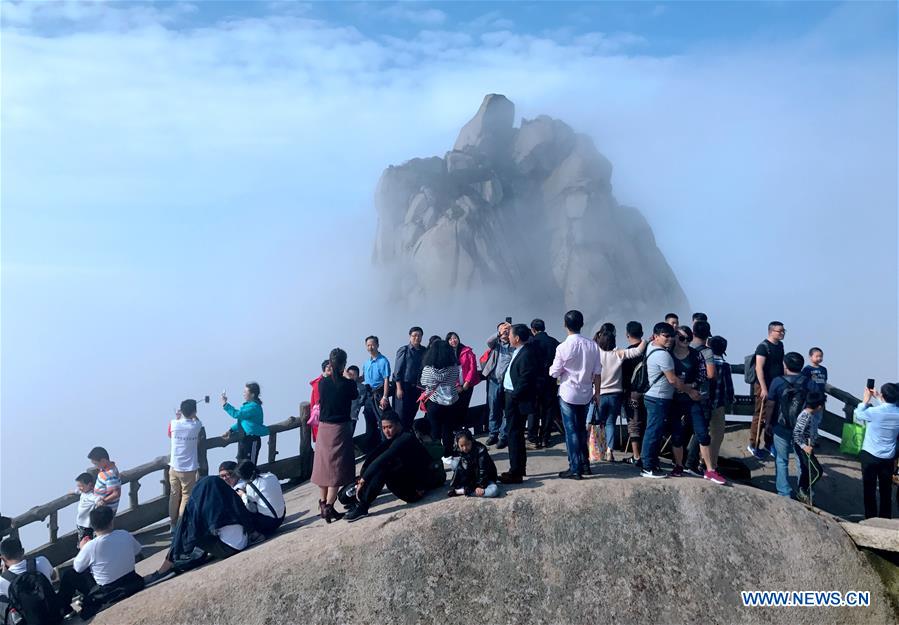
(792, 401)
(749, 375)
(640, 377)
(32, 596)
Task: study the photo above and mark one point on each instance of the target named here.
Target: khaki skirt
(334, 463)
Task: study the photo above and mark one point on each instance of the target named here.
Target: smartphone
(508, 319)
(206, 399)
(870, 384)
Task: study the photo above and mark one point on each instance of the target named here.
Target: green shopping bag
(853, 438)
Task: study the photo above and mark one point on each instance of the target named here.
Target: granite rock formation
(604, 551)
(508, 202)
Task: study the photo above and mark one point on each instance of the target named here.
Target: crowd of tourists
(673, 389)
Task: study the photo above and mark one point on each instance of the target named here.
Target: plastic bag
(594, 443)
(852, 439)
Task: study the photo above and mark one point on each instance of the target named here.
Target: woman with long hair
(441, 377)
(334, 463)
(611, 391)
(470, 376)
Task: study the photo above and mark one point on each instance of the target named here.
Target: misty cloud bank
(186, 208)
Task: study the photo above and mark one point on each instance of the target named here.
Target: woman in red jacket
(470, 375)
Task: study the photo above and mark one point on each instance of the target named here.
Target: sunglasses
(681, 337)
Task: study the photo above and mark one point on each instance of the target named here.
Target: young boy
(108, 487)
(86, 502)
(805, 435)
(816, 371)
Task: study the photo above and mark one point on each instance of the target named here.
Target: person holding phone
(248, 422)
(879, 446)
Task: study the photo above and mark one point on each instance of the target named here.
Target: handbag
(853, 438)
(314, 416)
(594, 443)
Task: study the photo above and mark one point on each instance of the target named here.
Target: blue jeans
(495, 408)
(609, 411)
(783, 444)
(656, 415)
(491, 490)
(574, 418)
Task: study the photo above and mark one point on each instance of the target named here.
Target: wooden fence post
(201, 453)
(272, 446)
(305, 443)
(133, 487)
(54, 526)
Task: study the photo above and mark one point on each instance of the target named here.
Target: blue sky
(186, 197)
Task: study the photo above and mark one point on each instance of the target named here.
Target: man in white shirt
(577, 364)
(103, 570)
(185, 431)
(263, 498)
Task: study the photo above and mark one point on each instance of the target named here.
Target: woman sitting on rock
(475, 474)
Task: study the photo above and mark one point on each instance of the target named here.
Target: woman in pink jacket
(470, 375)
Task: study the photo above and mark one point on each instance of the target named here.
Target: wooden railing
(297, 467)
(831, 422)
(139, 514)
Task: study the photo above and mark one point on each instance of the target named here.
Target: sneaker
(752, 451)
(763, 454)
(632, 460)
(356, 513)
(491, 440)
(447, 462)
(540, 445)
(569, 475)
(714, 476)
(653, 473)
(531, 446)
(156, 577)
(694, 470)
(677, 471)
(588, 470)
(802, 496)
(608, 456)
(502, 444)
(452, 493)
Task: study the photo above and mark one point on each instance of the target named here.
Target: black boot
(331, 514)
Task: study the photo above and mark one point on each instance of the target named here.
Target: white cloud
(410, 12)
(241, 157)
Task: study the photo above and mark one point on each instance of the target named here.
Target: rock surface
(613, 548)
(510, 203)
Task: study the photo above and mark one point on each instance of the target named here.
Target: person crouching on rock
(401, 463)
(475, 475)
(215, 522)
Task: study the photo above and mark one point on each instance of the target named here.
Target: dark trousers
(210, 545)
(399, 482)
(94, 594)
(371, 411)
(809, 468)
(877, 475)
(444, 422)
(264, 524)
(248, 448)
(540, 422)
(462, 407)
(517, 413)
(407, 407)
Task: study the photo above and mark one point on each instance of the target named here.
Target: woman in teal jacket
(249, 422)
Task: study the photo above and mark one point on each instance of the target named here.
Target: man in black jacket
(406, 374)
(520, 385)
(541, 420)
(401, 463)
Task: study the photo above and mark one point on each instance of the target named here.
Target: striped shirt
(805, 432)
(442, 383)
(108, 481)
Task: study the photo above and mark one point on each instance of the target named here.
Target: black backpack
(32, 596)
(792, 401)
(640, 377)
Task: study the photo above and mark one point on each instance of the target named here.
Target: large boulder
(607, 550)
(531, 207)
